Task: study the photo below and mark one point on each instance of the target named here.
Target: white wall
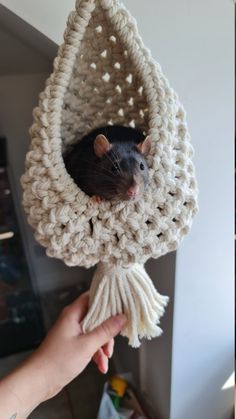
(203, 347)
(193, 41)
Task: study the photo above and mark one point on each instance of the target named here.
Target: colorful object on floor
(117, 387)
(104, 75)
(120, 401)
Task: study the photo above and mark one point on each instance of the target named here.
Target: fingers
(101, 357)
(102, 334)
(101, 360)
(108, 348)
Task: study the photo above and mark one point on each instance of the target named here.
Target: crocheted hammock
(104, 75)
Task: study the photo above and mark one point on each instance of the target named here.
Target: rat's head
(124, 167)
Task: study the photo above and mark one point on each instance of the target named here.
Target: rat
(110, 163)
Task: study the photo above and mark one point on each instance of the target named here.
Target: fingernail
(105, 370)
(105, 367)
(110, 352)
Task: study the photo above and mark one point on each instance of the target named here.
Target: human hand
(63, 355)
(66, 351)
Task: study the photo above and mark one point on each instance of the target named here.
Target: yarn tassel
(130, 291)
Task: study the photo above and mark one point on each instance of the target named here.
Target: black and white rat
(109, 163)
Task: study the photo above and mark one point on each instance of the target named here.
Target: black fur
(110, 176)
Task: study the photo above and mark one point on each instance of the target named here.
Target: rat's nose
(133, 190)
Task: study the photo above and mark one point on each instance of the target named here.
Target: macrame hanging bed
(103, 75)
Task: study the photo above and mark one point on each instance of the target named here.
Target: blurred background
(187, 372)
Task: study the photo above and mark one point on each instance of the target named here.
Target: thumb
(104, 333)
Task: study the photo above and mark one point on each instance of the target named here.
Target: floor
(79, 400)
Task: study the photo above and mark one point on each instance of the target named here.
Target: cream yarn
(129, 290)
(104, 75)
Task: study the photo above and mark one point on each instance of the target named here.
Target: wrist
(35, 368)
(22, 390)
(44, 367)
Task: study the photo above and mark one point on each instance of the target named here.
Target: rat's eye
(142, 166)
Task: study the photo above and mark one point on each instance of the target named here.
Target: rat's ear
(101, 145)
(145, 146)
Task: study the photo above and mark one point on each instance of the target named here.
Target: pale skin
(63, 355)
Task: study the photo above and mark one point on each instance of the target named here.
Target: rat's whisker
(109, 158)
(114, 157)
(95, 172)
(96, 165)
(116, 161)
(94, 176)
